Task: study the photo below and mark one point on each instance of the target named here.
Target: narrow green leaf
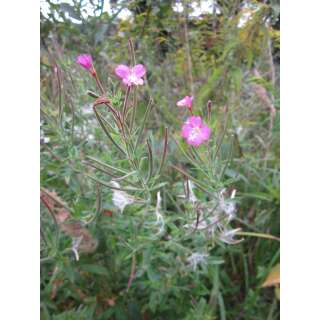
(107, 132)
(221, 307)
(107, 165)
(146, 115)
(196, 182)
(110, 186)
(95, 269)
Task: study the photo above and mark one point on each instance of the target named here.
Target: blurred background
(226, 51)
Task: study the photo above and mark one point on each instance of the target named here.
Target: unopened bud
(209, 108)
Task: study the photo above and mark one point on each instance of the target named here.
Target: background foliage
(228, 54)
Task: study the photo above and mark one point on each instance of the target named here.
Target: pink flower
(185, 102)
(85, 61)
(131, 76)
(194, 131)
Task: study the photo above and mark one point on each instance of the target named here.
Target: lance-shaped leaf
(219, 142)
(107, 132)
(108, 124)
(191, 158)
(107, 165)
(110, 186)
(103, 170)
(140, 132)
(158, 186)
(196, 182)
(114, 176)
(197, 156)
(116, 114)
(228, 160)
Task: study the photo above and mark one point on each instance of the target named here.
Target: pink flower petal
(205, 132)
(196, 141)
(185, 102)
(139, 70)
(127, 81)
(194, 131)
(195, 121)
(122, 71)
(139, 82)
(189, 101)
(85, 61)
(186, 129)
(181, 103)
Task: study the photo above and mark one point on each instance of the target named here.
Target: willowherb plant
(134, 183)
(172, 204)
(136, 218)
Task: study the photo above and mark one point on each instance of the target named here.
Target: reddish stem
(99, 84)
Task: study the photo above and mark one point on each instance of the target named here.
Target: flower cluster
(194, 131)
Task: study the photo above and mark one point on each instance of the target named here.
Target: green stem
(258, 235)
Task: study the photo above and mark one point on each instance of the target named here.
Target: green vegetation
(122, 210)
